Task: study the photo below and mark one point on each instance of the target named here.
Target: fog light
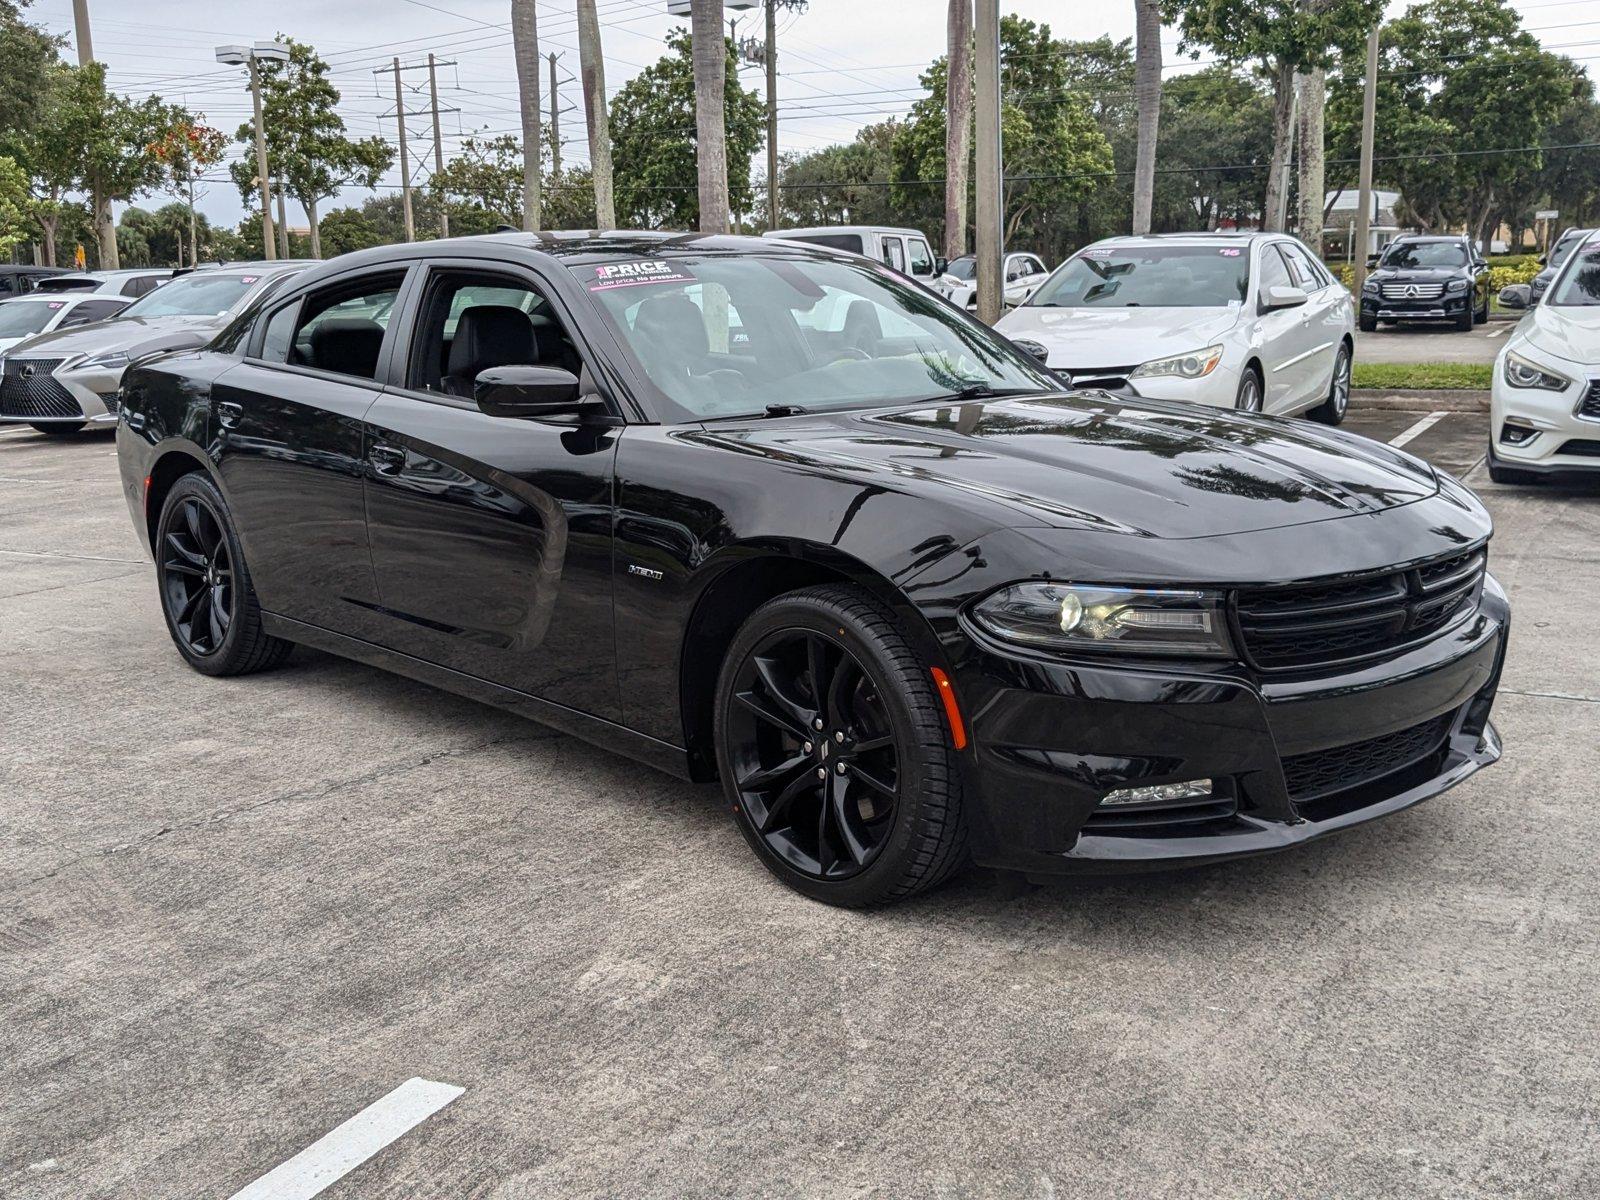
(1513, 433)
(1163, 793)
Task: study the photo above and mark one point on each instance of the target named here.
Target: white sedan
(1544, 402)
(958, 282)
(42, 312)
(1246, 321)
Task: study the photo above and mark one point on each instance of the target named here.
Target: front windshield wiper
(982, 391)
(771, 410)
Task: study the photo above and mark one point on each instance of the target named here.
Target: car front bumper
(1050, 739)
(1444, 308)
(80, 397)
(1560, 440)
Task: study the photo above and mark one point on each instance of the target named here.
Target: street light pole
(1369, 121)
(261, 164)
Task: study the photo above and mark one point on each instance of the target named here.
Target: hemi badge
(647, 572)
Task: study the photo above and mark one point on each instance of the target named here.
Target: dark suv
(1422, 278)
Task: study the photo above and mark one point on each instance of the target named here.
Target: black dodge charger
(774, 514)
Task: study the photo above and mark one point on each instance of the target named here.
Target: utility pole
(525, 49)
(283, 222)
(405, 157)
(1369, 123)
(261, 164)
(957, 126)
(438, 144)
(710, 58)
(104, 230)
(80, 26)
(772, 114)
(592, 69)
(555, 119)
(989, 210)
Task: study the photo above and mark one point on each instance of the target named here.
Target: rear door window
(894, 253)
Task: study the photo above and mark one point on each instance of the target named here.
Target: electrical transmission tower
(400, 113)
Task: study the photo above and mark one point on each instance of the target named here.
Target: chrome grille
(28, 389)
(1307, 627)
(1412, 291)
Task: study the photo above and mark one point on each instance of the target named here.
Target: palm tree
(1147, 96)
(710, 78)
(957, 127)
(592, 65)
(525, 49)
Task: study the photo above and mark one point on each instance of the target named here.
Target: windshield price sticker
(55, 304)
(1229, 252)
(633, 274)
(248, 278)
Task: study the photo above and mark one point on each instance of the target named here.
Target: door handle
(386, 459)
(229, 414)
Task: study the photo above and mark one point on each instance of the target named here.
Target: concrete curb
(1421, 399)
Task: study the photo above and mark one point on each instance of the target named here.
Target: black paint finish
(591, 575)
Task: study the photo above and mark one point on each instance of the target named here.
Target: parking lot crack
(318, 792)
(1505, 691)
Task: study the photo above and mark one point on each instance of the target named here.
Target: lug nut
(808, 748)
(822, 772)
(839, 768)
(817, 723)
(839, 737)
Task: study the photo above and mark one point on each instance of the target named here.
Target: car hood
(1080, 338)
(1417, 274)
(130, 335)
(1566, 331)
(1093, 460)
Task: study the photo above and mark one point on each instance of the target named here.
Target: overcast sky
(845, 63)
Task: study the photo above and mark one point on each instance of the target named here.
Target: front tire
(1481, 317)
(833, 751)
(57, 428)
(1367, 324)
(1250, 398)
(1464, 320)
(1332, 410)
(206, 593)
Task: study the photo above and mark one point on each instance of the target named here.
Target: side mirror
(941, 265)
(529, 393)
(1372, 261)
(1544, 260)
(1282, 297)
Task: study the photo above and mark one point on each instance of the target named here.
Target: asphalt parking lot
(236, 913)
(1433, 343)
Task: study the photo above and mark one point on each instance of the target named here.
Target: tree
(1281, 37)
(28, 58)
(347, 229)
(310, 152)
(710, 90)
(16, 222)
(187, 150)
(1147, 94)
(525, 49)
(654, 143)
(1310, 138)
(592, 65)
(1055, 153)
(1211, 119)
(846, 184)
(958, 127)
(487, 177)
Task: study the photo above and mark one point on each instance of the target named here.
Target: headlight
(1458, 285)
(105, 362)
(1520, 373)
(1064, 616)
(1194, 365)
(1369, 288)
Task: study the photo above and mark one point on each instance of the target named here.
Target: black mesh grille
(28, 389)
(1589, 406)
(1324, 772)
(1303, 628)
(1584, 447)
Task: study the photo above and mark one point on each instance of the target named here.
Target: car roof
(78, 297)
(1430, 237)
(780, 234)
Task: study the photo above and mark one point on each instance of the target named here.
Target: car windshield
(963, 268)
(741, 334)
(1568, 243)
(1579, 285)
(204, 294)
(1404, 255)
(21, 317)
(1149, 276)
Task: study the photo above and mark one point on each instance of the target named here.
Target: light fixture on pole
(241, 55)
(684, 8)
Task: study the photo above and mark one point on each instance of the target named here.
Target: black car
(1564, 246)
(772, 513)
(1426, 278)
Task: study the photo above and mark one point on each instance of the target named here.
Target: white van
(905, 250)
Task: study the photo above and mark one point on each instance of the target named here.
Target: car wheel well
(164, 473)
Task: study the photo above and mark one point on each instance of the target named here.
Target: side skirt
(608, 735)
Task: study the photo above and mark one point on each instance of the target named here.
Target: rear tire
(206, 594)
(834, 753)
(58, 429)
(1332, 410)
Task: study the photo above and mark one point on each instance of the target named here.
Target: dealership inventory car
(1422, 277)
(1544, 400)
(908, 596)
(1021, 274)
(24, 316)
(1246, 321)
(60, 382)
(1569, 241)
(131, 283)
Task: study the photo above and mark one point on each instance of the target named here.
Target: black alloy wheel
(197, 576)
(833, 750)
(206, 595)
(1250, 397)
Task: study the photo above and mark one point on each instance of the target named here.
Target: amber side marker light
(952, 712)
(147, 481)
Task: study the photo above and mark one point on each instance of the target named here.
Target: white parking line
(346, 1147)
(1501, 332)
(1417, 430)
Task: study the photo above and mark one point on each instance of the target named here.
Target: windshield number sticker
(248, 278)
(55, 304)
(1229, 252)
(633, 274)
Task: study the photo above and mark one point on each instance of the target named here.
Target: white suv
(958, 283)
(1246, 321)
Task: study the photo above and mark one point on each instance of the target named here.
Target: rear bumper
(1290, 761)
